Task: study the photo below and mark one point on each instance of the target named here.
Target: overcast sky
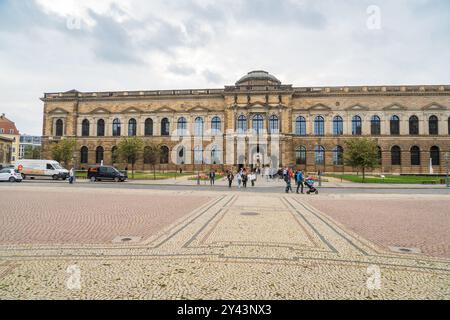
(59, 45)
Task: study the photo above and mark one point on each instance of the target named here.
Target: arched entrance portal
(258, 157)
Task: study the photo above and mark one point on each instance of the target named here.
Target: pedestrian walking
(239, 179)
(244, 179)
(230, 178)
(212, 177)
(288, 181)
(253, 179)
(71, 176)
(299, 178)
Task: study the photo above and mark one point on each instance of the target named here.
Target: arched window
(182, 126)
(319, 126)
(116, 128)
(114, 155)
(380, 155)
(99, 155)
(274, 125)
(148, 127)
(198, 155)
(415, 156)
(164, 155)
(396, 156)
(132, 128)
(433, 124)
(199, 126)
(85, 128)
(101, 128)
(356, 126)
(435, 156)
(413, 126)
(395, 125)
(216, 125)
(242, 124)
(300, 155)
(300, 126)
(181, 153)
(84, 155)
(59, 128)
(258, 123)
(375, 125)
(165, 127)
(338, 156)
(320, 155)
(338, 126)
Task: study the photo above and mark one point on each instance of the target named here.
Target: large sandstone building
(257, 122)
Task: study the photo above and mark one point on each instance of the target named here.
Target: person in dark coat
(230, 178)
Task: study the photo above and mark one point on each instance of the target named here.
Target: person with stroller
(299, 180)
(309, 182)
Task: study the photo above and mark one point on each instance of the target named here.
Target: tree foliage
(152, 155)
(361, 153)
(63, 150)
(129, 150)
(32, 152)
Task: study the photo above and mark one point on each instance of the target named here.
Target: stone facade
(301, 126)
(5, 150)
(9, 131)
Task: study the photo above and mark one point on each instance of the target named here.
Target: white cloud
(138, 44)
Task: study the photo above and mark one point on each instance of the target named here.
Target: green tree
(152, 154)
(361, 153)
(32, 152)
(63, 150)
(129, 150)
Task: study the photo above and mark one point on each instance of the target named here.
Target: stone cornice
(298, 92)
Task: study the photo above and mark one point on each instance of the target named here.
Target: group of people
(242, 177)
(288, 174)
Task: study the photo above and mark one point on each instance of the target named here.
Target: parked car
(10, 174)
(102, 173)
(5, 166)
(41, 168)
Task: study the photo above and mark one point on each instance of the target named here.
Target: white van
(41, 168)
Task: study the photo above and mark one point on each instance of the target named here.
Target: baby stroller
(309, 182)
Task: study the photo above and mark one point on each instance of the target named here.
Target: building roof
(7, 125)
(258, 75)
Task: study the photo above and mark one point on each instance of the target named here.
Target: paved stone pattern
(237, 245)
(423, 224)
(87, 217)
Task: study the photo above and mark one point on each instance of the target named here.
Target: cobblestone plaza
(187, 244)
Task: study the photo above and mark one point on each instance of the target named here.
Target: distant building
(8, 130)
(28, 141)
(5, 150)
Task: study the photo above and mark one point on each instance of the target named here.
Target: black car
(102, 173)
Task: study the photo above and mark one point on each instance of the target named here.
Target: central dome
(258, 77)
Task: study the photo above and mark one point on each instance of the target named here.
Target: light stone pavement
(229, 245)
